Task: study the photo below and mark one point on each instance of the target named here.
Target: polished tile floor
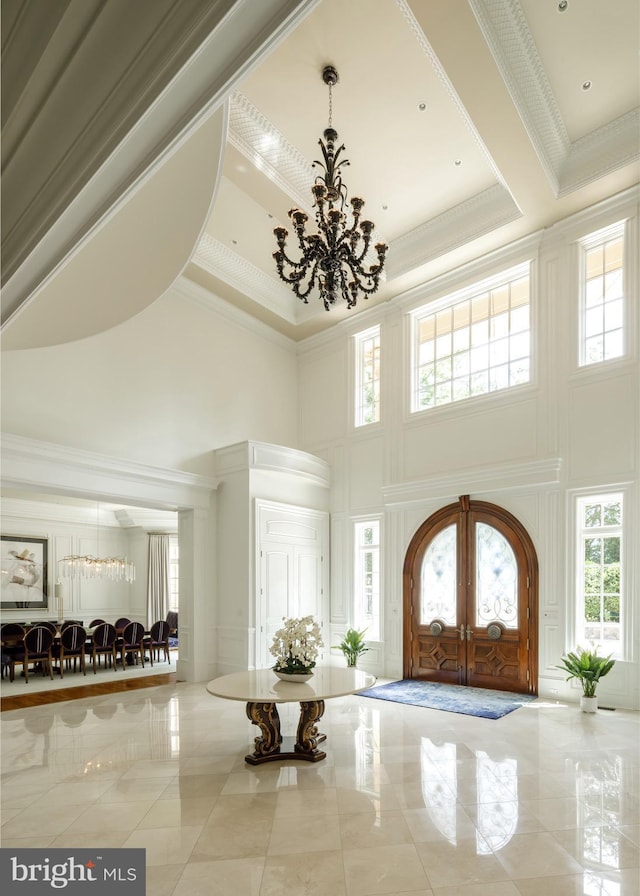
(411, 801)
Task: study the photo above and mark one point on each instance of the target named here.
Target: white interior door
(292, 574)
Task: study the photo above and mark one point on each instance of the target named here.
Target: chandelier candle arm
(333, 258)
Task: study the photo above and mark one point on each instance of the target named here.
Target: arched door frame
(501, 519)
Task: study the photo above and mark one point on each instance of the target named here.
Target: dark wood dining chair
(36, 648)
(132, 642)
(71, 646)
(103, 643)
(157, 640)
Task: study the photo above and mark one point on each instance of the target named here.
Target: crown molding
(535, 474)
(38, 466)
(251, 455)
(567, 166)
(214, 304)
(230, 267)
(601, 152)
(455, 227)
(266, 147)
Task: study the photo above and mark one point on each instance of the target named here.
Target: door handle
(468, 632)
(462, 631)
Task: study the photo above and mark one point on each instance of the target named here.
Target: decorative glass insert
(475, 345)
(496, 578)
(367, 577)
(439, 579)
(602, 299)
(367, 377)
(600, 570)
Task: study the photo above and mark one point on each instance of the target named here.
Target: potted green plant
(353, 646)
(587, 666)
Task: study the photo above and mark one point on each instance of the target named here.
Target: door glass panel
(438, 586)
(496, 578)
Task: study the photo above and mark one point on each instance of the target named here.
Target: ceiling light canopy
(335, 258)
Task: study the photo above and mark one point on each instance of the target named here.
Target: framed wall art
(24, 573)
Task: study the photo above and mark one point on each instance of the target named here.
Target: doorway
(470, 597)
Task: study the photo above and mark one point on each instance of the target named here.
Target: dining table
(261, 690)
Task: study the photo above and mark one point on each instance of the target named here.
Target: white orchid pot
(588, 704)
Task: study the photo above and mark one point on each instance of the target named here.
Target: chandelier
(335, 258)
(115, 569)
(118, 569)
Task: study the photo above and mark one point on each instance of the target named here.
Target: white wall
(526, 449)
(139, 404)
(164, 388)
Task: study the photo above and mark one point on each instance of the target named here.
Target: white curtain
(157, 578)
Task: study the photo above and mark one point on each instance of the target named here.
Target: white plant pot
(588, 704)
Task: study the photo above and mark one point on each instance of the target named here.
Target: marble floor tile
(306, 874)
(408, 802)
(240, 877)
(377, 870)
(466, 861)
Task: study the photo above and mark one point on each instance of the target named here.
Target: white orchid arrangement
(296, 645)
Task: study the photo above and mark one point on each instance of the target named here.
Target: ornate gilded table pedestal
(262, 691)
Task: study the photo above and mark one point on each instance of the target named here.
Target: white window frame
(362, 382)
(518, 271)
(360, 618)
(174, 579)
(591, 241)
(576, 628)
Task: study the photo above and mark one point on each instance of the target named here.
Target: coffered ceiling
(468, 125)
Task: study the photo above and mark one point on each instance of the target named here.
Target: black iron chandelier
(333, 259)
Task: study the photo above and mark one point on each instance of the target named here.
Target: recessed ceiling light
(458, 162)
(586, 85)
(422, 106)
(563, 5)
(384, 208)
(235, 242)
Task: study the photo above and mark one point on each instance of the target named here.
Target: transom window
(599, 579)
(602, 295)
(474, 343)
(367, 377)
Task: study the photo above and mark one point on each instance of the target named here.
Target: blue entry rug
(486, 704)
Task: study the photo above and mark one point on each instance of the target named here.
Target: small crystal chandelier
(116, 569)
(333, 258)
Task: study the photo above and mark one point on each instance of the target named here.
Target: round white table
(261, 691)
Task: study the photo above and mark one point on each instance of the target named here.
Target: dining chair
(53, 628)
(122, 622)
(71, 646)
(36, 648)
(132, 642)
(103, 643)
(158, 640)
(172, 622)
(12, 636)
(68, 622)
(95, 622)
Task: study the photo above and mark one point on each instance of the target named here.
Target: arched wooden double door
(470, 600)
